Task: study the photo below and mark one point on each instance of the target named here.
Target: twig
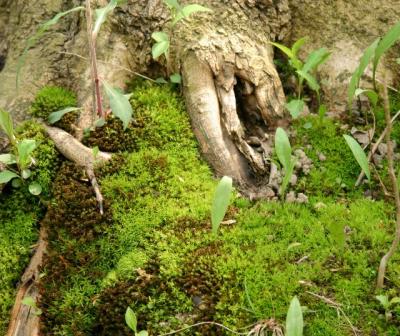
(338, 308)
(96, 188)
(204, 323)
(392, 174)
(376, 145)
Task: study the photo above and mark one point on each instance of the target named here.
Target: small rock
(293, 180)
(291, 197)
(382, 149)
(377, 159)
(321, 157)
(302, 198)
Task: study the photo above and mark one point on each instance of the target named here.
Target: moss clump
(337, 174)
(51, 99)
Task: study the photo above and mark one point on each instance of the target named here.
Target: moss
(51, 99)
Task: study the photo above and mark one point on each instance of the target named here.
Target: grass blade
(282, 148)
(359, 155)
(294, 319)
(315, 59)
(6, 124)
(101, 15)
(221, 202)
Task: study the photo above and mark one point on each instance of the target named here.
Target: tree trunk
(232, 90)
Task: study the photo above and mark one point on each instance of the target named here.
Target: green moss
(51, 99)
(336, 175)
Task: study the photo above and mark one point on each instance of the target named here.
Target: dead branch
(393, 179)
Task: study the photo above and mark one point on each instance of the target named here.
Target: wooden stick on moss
(393, 179)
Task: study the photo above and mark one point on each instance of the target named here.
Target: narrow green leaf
(294, 319)
(221, 201)
(295, 107)
(35, 188)
(120, 105)
(6, 124)
(322, 111)
(364, 61)
(131, 320)
(359, 155)
(8, 159)
(56, 116)
(6, 176)
(39, 33)
(372, 96)
(161, 80)
(25, 149)
(160, 36)
(188, 10)
(315, 59)
(298, 44)
(173, 4)
(160, 48)
(284, 49)
(311, 80)
(288, 174)
(101, 15)
(175, 78)
(385, 44)
(282, 148)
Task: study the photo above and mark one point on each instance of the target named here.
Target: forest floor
(153, 250)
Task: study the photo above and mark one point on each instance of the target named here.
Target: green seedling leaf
(25, 149)
(8, 159)
(295, 107)
(36, 37)
(221, 201)
(288, 52)
(16, 183)
(26, 173)
(282, 148)
(99, 122)
(188, 10)
(176, 78)
(311, 80)
(287, 177)
(101, 15)
(120, 105)
(161, 80)
(131, 320)
(355, 79)
(297, 45)
(142, 333)
(372, 96)
(315, 59)
(35, 188)
(173, 4)
(6, 125)
(384, 300)
(359, 155)
(294, 319)
(6, 176)
(160, 48)
(56, 116)
(160, 36)
(385, 44)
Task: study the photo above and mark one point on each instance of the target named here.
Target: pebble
(291, 197)
(293, 180)
(321, 157)
(302, 198)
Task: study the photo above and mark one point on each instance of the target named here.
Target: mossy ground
(153, 250)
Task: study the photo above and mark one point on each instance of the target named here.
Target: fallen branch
(376, 145)
(393, 179)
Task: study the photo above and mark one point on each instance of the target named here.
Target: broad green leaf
(160, 36)
(221, 201)
(131, 320)
(101, 15)
(35, 188)
(8, 159)
(311, 80)
(295, 107)
(315, 59)
(6, 124)
(282, 148)
(25, 148)
(188, 10)
(160, 48)
(385, 44)
(6, 176)
(395, 300)
(175, 78)
(99, 122)
(56, 116)
(120, 105)
(173, 4)
(298, 44)
(364, 61)
(294, 319)
(29, 301)
(372, 96)
(288, 174)
(359, 155)
(26, 173)
(384, 300)
(39, 33)
(284, 49)
(142, 333)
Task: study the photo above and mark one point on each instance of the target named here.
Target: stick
(96, 188)
(393, 178)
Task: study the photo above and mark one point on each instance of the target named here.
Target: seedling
(388, 305)
(294, 319)
(221, 202)
(359, 155)
(131, 321)
(305, 72)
